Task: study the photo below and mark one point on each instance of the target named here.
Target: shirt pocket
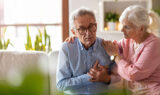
(105, 61)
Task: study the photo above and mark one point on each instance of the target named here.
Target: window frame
(65, 19)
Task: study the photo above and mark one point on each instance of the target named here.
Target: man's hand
(99, 73)
(95, 66)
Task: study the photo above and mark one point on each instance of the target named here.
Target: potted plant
(4, 43)
(157, 11)
(42, 42)
(111, 19)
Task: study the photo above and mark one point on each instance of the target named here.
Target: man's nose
(87, 32)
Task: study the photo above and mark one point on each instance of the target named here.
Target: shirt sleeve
(113, 72)
(147, 62)
(64, 78)
(115, 78)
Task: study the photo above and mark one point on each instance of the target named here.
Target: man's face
(85, 30)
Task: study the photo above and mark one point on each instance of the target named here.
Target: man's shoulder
(99, 40)
(70, 44)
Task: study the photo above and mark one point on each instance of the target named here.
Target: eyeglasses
(92, 28)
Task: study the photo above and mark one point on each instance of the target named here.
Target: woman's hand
(110, 47)
(70, 39)
(99, 73)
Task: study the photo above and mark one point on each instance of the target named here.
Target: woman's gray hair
(139, 16)
(80, 12)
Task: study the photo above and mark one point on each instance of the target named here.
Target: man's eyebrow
(81, 26)
(91, 23)
(88, 25)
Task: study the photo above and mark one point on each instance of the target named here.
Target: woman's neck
(142, 38)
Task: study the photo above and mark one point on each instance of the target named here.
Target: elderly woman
(137, 55)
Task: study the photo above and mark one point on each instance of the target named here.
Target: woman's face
(129, 30)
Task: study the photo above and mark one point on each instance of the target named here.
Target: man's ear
(73, 32)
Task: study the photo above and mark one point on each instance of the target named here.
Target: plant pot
(111, 26)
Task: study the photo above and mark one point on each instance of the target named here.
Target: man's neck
(88, 46)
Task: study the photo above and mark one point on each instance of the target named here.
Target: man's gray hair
(80, 12)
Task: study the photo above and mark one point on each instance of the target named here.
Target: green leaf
(111, 17)
(6, 44)
(157, 11)
(1, 45)
(29, 42)
(49, 44)
(45, 36)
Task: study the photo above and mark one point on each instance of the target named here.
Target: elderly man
(77, 58)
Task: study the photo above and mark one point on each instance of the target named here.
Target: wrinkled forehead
(127, 22)
(84, 20)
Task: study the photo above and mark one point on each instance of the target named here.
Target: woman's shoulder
(153, 43)
(152, 39)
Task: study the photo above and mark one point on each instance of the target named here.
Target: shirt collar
(93, 47)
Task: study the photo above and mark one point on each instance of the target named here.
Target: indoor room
(79, 47)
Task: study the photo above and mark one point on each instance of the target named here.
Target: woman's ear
(142, 28)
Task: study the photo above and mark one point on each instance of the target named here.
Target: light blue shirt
(73, 65)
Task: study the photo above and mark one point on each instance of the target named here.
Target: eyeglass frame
(85, 29)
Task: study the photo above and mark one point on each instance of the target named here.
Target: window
(15, 14)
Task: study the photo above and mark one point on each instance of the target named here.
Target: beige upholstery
(53, 60)
(16, 61)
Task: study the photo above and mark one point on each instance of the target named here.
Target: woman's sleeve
(147, 62)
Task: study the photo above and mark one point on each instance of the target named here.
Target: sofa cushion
(18, 59)
(53, 60)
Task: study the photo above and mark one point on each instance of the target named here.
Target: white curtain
(32, 11)
(1, 11)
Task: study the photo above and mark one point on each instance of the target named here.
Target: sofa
(10, 60)
(16, 61)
